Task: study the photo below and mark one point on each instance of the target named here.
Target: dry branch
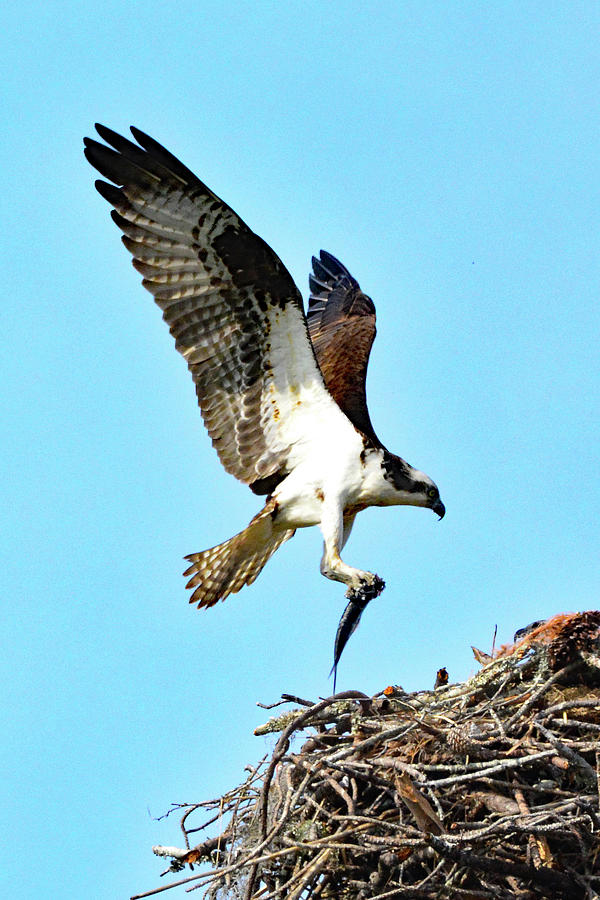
(488, 789)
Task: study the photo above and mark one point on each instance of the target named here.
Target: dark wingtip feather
(329, 268)
(119, 220)
(98, 156)
(110, 192)
(116, 140)
(141, 136)
(166, 158)
(317, 286)
(321, 272)
(333, 263)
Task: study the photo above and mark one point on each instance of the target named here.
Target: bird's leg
(362, 586)
(347, 523)
(336, 530)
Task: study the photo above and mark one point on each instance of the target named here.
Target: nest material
(487, 789)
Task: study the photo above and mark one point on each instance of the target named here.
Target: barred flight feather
(230, 304)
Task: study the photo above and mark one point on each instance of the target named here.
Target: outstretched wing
(341, 323)
(230, 303)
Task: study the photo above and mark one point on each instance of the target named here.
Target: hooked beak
(439, 509)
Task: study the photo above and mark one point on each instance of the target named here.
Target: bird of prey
(281, 391)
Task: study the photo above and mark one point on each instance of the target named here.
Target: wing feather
(341, 322)
(230, 303)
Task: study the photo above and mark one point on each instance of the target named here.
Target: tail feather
(226, 568)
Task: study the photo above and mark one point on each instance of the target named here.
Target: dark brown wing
(229, 301)
(341, 324)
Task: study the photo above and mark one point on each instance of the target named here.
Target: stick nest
(487, 789)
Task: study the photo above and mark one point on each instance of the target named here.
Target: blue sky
(448, 154)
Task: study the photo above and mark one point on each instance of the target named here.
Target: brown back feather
(341, 324)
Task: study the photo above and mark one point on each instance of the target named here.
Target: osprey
(282, 393)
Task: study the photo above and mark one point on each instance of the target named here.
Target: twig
(286, 698)
(283, 742)
(530, 703)
(548, 880)
(569, 754)
(477, 770)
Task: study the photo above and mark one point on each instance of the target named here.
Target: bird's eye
(432, 492)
